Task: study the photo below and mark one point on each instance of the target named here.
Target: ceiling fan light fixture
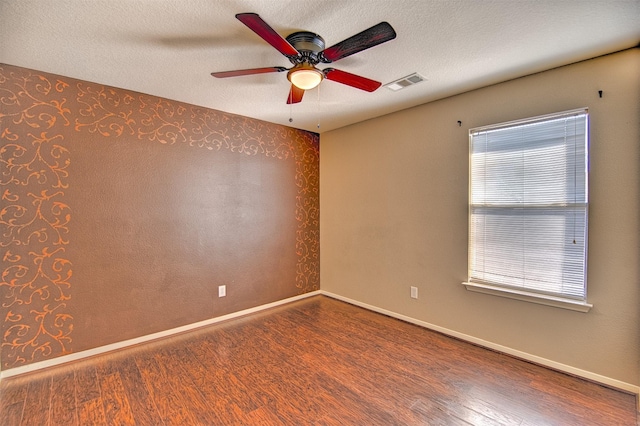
(305, 77)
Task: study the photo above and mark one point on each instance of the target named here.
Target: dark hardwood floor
(317, 361)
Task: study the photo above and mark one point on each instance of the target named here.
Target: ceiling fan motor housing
(308, 44)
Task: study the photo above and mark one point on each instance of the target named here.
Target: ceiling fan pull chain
(319, 105)
(290, 107)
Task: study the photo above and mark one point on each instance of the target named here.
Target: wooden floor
(317, 361)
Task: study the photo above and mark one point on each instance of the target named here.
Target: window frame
(523, 294)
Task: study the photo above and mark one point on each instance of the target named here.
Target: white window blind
(529, 203)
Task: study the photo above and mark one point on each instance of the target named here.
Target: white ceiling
(169, 48)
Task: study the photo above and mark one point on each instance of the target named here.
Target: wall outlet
(222, 290)
(414, 292)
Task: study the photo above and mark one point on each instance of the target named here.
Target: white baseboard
(147, 338)
(607, 381)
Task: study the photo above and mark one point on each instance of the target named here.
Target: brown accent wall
(122, 213)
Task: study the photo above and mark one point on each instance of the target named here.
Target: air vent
(403, 82)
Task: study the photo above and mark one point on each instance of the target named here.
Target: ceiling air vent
(403, 82)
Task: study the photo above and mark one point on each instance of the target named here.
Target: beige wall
(394, 215)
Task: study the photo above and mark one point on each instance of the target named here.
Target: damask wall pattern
(34, 219)
(39, 114)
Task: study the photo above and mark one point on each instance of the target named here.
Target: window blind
(529, 204)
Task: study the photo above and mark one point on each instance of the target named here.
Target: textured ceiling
(169, 48)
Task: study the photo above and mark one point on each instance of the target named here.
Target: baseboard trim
(147, 338)
(606, 381)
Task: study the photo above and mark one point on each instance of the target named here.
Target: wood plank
(170, 361)
(170, 405)
(11, 414)
(287, 398)
(90, 407)
(262, 416)
(37, 402)
(219, 384)
(117, 409)
(87, 386)
(91, 412)
(143, 407)
(63, 399)
(13, 394)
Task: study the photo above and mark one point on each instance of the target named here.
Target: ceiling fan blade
(295, 95)
(352, 80)
(258, 26)
(373, 36)
(251, 71)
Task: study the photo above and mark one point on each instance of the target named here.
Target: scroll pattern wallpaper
(39, 114)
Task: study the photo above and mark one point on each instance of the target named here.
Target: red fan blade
(258, 26)
(251, 71)
(295, 95)
(368, 38)
(352, 80)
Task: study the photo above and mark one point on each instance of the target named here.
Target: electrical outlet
(222, 290)
(414, 292)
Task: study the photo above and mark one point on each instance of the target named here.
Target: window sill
(542, 299)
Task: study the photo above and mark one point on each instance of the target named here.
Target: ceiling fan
(305, 50)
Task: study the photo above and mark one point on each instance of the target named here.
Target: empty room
(308, 212)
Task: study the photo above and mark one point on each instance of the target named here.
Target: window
(528, 209)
